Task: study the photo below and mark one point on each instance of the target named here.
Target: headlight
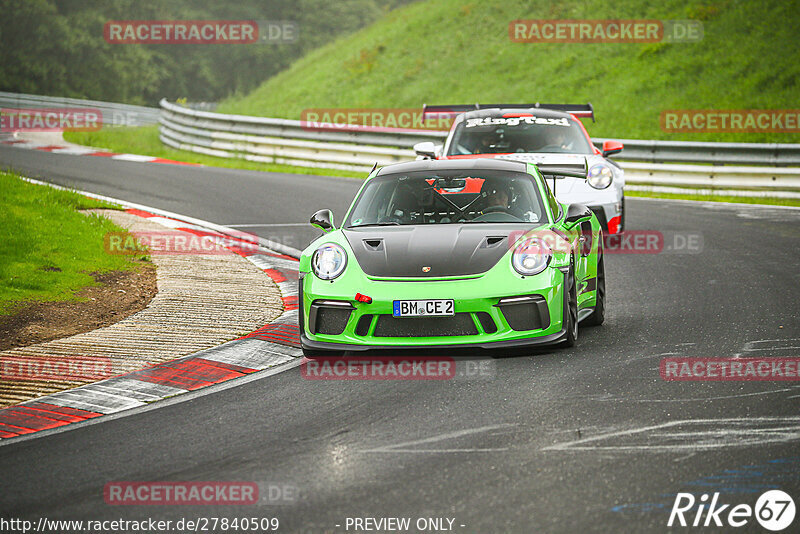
(600, 176)
(328, 261)
(531, 257)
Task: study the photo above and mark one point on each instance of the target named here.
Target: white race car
(538, 133)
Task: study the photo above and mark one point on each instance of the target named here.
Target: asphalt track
(589, 439)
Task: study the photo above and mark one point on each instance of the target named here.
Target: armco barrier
(286, 141)
(715, 176)
(292, 142)
(773, 154)
(113, 114)
(359, 148)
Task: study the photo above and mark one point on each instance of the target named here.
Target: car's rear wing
(579, 110)
(564, 170)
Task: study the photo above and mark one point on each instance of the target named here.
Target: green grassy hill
(449, 52)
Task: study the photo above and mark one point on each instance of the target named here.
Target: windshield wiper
(388, 223)
(494, 222)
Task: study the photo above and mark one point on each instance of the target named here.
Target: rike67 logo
(774, 510)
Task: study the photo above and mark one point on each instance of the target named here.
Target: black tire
(599, 314)
(622, 217)
(572, 309)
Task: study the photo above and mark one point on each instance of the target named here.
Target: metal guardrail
(723, 177)
(113, 114)
(295, 142)
(655, 163)
(285, 141)
(773, 154)
(197, 129)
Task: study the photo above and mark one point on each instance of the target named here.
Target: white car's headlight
(328, 261)
(600, 176)
(531, 257)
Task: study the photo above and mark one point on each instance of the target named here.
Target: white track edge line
(157, 404)
(266, 243)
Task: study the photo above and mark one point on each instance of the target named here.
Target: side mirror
(611, 147)
(427, 149)
(323, 219)
(576, 213)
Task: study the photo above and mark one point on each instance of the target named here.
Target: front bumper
(551, 339)
(493, 310)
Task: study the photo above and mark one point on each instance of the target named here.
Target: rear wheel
(599, 314)
(572, 309)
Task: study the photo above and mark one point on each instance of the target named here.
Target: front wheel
(572, 309)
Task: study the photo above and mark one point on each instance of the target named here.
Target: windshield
(448, 198)
(503, 135)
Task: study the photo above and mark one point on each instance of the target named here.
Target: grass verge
(144, 141)
(48, 249)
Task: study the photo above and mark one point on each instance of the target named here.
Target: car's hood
(431, 251)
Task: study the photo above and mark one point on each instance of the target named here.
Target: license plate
(423, 308)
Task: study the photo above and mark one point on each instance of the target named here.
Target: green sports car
(453, 253)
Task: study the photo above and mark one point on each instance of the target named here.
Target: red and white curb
(76, 150)
(273, 345)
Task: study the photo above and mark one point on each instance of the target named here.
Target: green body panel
(477, 293)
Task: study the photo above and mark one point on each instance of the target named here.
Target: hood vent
(492, 241)
(374, 244)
